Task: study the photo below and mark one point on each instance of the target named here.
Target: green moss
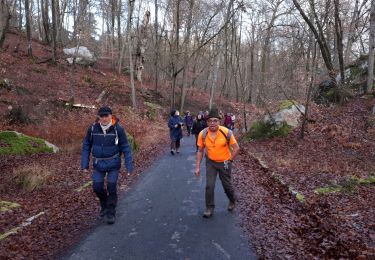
(300, 197)
(84, 186)
(327, 190)
(132, 142)
(286, 104)
(152, 110)
(346, 186)
(11, 143)
(369, 180)
(261, 130)
(338, 94)
(10, 232)
(8, 205)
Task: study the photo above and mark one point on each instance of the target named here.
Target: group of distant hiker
(193, 125)
(106, 141)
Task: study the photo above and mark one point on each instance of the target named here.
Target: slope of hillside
(313, 198)
(33, 96)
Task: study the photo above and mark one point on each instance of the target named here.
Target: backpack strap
(228, 136)
(204, 135)
(92, 130)
(116, 140)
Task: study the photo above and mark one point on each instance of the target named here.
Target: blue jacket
(175, 133)
(189, 121)
(105, 146)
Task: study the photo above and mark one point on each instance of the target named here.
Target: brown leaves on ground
(337, 225)
(67, 212)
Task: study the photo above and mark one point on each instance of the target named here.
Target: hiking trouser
(176, 144)
(196, 140)
(212, 170)
(107, 198)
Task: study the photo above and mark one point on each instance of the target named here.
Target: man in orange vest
(222, 149)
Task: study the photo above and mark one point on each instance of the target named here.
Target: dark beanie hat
(213, 114)
(104, 111)
(173, 111)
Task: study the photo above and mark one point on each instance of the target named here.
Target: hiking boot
(208, 212)
(231, 206)
(111, 219)
(103, 212)
(172, 152)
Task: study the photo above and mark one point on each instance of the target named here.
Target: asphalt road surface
(160, 217)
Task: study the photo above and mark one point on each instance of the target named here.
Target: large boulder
(290, 115)
(355, 83)
(83, 56)
(278, 124)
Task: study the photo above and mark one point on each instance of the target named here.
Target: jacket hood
(173, 111)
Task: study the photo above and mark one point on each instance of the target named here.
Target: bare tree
(340, 45)
(130, 48)
(370, 81)
(28, 29)
(318, 33)
(186, 56)
(156, 58)
(45, 21)
(53, 7)
(4, 20)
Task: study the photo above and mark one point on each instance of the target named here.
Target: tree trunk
(28, 29)
(175, 53)
(351, 31)
(44, 4)
(320, 38)
(39, 24)
(53, 7)
(119, 9)
(57, 22)
(4, 20)
(131, 65)
(340, 45)
(113, 15)
(370, 80)
(186, 56)
(141, 48)
(20, 15)
(156, 65)
(214, 79)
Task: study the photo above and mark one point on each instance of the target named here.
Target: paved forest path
(161, 218)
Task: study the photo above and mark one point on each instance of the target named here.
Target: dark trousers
(176, 144)
(107, 198)
(212, 170)
(188, 129)
(196, 140)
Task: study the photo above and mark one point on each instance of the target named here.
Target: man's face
(105, 119)
(213, 124)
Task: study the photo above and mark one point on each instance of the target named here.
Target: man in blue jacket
(107, 141)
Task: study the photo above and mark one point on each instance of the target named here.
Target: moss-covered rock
(152, 110)
(286, 104)
(15, 143)
(132, 142)
(267, 129)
